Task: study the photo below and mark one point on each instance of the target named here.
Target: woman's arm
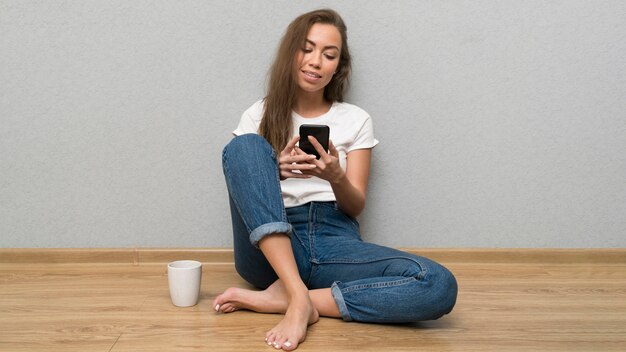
(350, 187)
(351, 190)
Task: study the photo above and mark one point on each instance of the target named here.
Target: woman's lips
(311, 76)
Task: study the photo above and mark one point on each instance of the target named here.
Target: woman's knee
(436, 279)
(246, 144)
(247, 154)
(445, 289)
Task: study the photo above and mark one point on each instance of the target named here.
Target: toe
(270, 337)
(278, 342)
(216, 303)
(289, 346)
(225, 307)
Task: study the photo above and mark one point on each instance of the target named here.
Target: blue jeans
(370, 283)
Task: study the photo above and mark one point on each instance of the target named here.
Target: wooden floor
(568, 303)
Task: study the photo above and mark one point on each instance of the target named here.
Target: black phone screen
(320, 132)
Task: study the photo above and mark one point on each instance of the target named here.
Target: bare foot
(274, 299)
(299, 314)
(292, 329)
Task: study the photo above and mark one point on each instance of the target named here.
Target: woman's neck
(311, 105)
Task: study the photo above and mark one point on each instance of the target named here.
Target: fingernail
(287, 344)
(217, 308)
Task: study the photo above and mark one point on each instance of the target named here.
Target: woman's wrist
(339, 179)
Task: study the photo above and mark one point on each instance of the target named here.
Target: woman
(295, 233)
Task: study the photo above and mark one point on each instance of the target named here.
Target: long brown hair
(276, 125)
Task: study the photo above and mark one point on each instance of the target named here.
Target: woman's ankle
(297, 291)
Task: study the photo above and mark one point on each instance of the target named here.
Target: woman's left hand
(327, 166)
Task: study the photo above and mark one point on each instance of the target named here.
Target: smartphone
(320, 132)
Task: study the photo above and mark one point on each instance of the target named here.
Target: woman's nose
(315, 61)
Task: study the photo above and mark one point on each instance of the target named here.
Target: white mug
(184, 278)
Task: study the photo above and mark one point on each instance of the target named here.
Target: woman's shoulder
(250, 119)
(255, 111)
(351, 111)
(356, 124)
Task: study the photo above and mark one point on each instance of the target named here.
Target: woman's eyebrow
(325, 48)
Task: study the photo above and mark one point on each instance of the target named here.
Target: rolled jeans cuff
(338, 296)
(268, 229)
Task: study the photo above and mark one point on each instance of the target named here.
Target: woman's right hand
(292, 159)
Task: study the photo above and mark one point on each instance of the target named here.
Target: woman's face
(317, 61)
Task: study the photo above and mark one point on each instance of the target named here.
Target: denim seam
(242, 219)
(341, 303)
(311, 232)
(225, 166)
(277, 174)
(273, 155)
(295, 233)
(255, 233)
(379, 285)
(308, 280)
(420, 276)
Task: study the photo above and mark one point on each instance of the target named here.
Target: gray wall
(502, 123)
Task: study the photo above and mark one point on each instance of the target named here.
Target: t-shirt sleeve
(247, 124)
(365, 137)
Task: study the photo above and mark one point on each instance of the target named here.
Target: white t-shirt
(351, 128)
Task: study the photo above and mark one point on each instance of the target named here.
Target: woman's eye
(307, 50)
(330, 57)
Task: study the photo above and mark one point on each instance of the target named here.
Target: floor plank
(125, 307)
